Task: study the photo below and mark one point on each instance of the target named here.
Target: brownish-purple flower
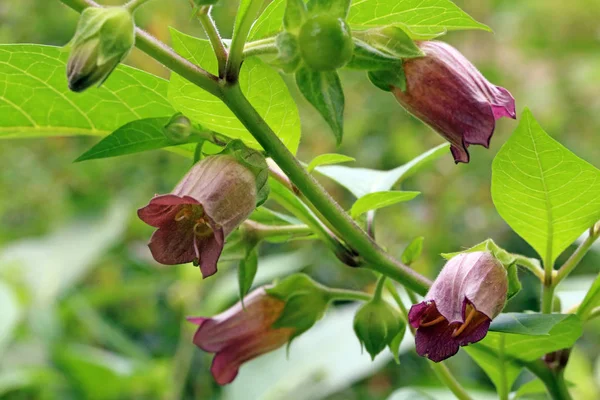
(211, 201)
(447, 92)
(238, 335)
(468, 293)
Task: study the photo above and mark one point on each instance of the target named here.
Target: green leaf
(413, 250)
(527, 323)
(134, 137)
(328, 159)
(590, 301)
(35, 100)
(295, 14)
(374, 201)
(362, 181)
(263, 86)
(324, 91)
(247, 271)
(387, 79)
(502, 373)
(366, 57)
(334, 8)
(391, 40)
(422, 19)
(269, 23)
(544, 192)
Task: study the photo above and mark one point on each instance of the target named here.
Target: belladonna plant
(448, 93)
(468, 293)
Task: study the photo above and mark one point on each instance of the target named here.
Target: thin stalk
(134, 4)
(260, 47)
(530, 264)
(595, 313)
(379, 287)
(262, 231)
(212, 33)
(244, 22)
(347, 295)
(584, 310)
(555, 383)
(548, 285)
(503, 387)
(374, 256)
(577, 255)
(443, 373)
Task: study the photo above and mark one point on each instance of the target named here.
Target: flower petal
(162, 209)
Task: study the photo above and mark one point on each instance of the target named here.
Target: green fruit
(325, 43)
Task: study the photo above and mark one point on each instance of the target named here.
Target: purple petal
(436, 342)
(162, 209)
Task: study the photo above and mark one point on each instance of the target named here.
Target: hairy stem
(347, 295)
(262, 231)
(530, 264)
(443, 373)
(577, 256)
(213, 36)
(134, 4)
(260, 47)
(244, 20)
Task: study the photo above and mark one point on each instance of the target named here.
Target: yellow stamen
(469, 318)
(184, 213)
(431, 323)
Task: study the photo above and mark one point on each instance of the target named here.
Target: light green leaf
(544, 192)
(413, 250)
(135, 137)
(35, 100)
(324, 91)
(362, 181)
(377, 200)
(247, 271)
(391, 40)
(422, 19)
(328, 159)
(502, 374)
(269, 217)
(526, 323)
(590, 301)
(263, 86)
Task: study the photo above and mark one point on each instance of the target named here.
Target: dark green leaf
(366, 57)
(413, 250)
(388, 79)
(527, 323)
(324, 91)
(247, 270)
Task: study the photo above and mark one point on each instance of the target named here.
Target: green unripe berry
(325, 43)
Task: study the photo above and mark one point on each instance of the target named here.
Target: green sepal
(507, 259)
(395, 343)
(377, 324)
(305, 303)
(391, 40)
(366, 57)
(255, 162)
(387, 79)
(334, 8)
(294, 16)
(288, 56)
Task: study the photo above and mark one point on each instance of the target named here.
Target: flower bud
(179, 128)
(238, 335)
(468, 293)
(211, 201)
(447, 92)
(103, 39)
(377, 324)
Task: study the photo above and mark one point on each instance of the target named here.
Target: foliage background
(95, 318)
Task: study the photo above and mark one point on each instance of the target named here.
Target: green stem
(555, 383)
(531, 265)
(244, 22)
(347, 295)
(370, 251)
(503, 388)
(595, 313)
(134, 4)
(548, 287)
(394, 292)
(262, 231)
(260, 47)
(577, 255)
(213, 35)
(444, 375)
(379, 287)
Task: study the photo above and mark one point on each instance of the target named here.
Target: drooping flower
(239, 335)
(211, 201)
(447, 92)
(104, 37)
(468, 293)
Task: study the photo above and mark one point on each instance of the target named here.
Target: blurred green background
(86, 314)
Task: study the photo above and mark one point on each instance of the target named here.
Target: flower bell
(238, 335)
(211, 201)
(468, 293)
(447, 92)
(104, 37)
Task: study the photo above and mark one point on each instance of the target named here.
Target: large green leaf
(263, 86)
(35, 99)
(362, 181)
(544, 192)
(422, 19)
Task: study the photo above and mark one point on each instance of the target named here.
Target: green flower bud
(103, 39)
(325, 43)
(377, 324)
(179, 128)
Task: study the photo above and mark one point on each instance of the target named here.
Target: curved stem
(443, 373)
(577, 255)
(134, 4)
(530, 264)
(555, 383)
(213, 36)
(262, 231)
(347, 295)
(371, 253)
(548, 287)
(244, 20)
(260, 47)
(379, 287)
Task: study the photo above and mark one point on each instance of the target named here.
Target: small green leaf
(526, 323)
(413, 250)
(295, 15)
(362, 181)
(547, 195)
(261, 84)
(374, 201)
(590, 301)
(269, 217)
(386, 80)
(324, 91)
(391, 40)
(135, 137)
(366, 57)
(247, 270)
(328, 159)
(334, 8)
